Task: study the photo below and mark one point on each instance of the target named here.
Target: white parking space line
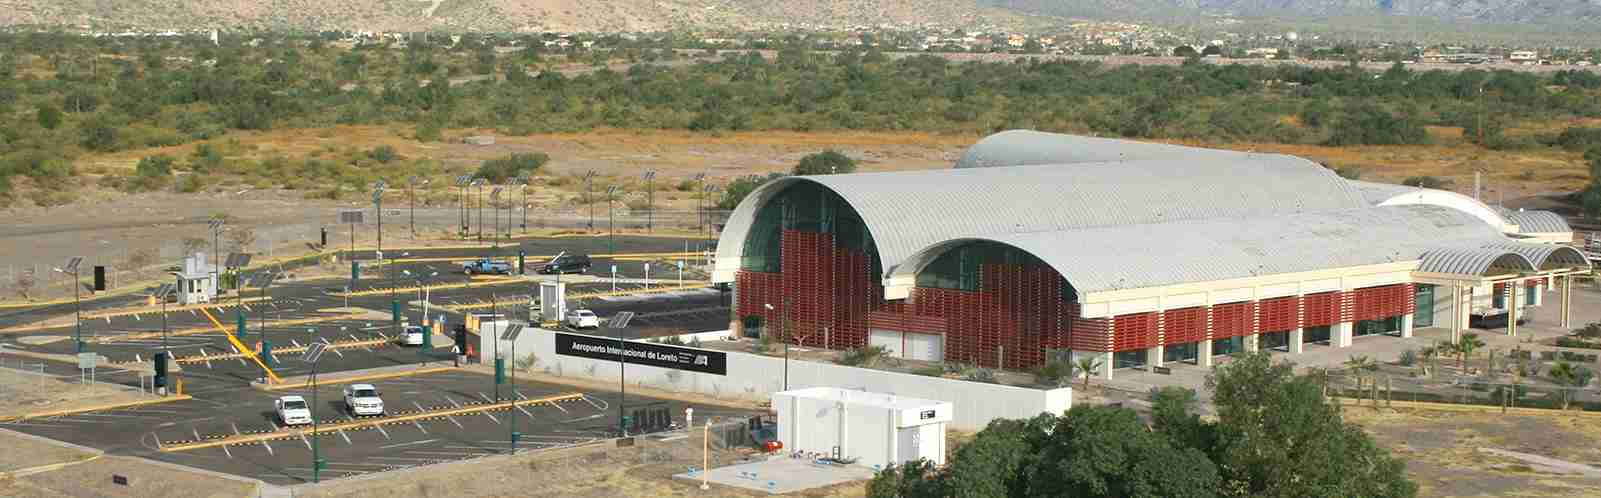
(345, 436)
(304, 440)
(419, 426)
(381, 430)
(452, 453)
(402, 445)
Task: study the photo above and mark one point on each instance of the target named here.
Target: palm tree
(1359, 365)
(1428, 355)
(1465, 348)
(1568, 375)
(1088, 365)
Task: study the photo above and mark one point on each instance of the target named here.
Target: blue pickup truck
(487, 267)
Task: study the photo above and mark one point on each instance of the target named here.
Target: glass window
(1424, 315)
(1315, 334)
(1126, 359)
(1498, 297)
(1528, 295)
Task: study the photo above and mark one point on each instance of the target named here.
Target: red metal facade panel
(1374, 303)
(1134, 331)
(1410, 300)
(1323, 308)
(830, 300)
(1232, 319)
(1279, 314)
(1185, 325)
(1089, 334)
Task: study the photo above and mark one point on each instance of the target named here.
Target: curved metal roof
(1130, 257)
(1544, 256)
(1473, 261)
(1538, 221)
(1028, 147)
(1385, 194)
(908, 211)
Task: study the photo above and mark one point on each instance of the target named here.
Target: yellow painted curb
(358, 378)
(70, 411)
(47, 468)
(252, 438)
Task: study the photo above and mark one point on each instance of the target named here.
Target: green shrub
(865, 356)
(502, 169)
(1371, 125)
(382, 154)
(1427, 182)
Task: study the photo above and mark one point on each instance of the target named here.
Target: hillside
(492, 15)
(1397, 15)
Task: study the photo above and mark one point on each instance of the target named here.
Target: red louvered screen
(1323, 308)
(1133, 332)
(1374, 303)
(1185, 325)
(1279, 314)
(1088, 334)
(1232, 319)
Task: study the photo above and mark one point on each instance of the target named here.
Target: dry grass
(1443, 456)
(146, 479)
(26, 393)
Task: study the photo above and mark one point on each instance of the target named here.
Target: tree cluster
(1275, 436)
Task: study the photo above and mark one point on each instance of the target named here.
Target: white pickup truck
(362, 399)
(292, 410)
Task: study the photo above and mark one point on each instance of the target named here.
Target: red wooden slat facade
(1017, 312)
(1182, 326)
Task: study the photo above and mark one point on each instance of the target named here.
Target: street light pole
(589, 195)
(783, 327)
(611, 227)
(480, 183)
(650, 201)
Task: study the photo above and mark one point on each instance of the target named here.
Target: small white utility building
(875, 429)
(197, 282)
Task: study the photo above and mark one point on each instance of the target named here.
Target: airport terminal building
(1038, 246)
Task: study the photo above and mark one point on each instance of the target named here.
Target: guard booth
(197, 280)
(873, 429)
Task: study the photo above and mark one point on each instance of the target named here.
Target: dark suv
(567, 263)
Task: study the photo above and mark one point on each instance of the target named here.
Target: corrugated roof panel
(1128, 257)
(1544, 256)
(908, 211)
(1028, 147)
(1472, 261)
(1538, 221)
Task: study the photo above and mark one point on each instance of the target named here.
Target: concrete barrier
(756, 377)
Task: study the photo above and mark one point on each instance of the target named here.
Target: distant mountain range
(1571, 13)
(1389, 17)
(494, 15)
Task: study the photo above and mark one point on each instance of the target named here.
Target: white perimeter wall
(755, 377)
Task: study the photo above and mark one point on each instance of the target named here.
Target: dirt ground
(146, 479)
(595, 471)
(23, 452)
(1467, 454)
(28, 393)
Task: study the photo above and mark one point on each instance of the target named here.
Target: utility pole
(589, 195)
(619, 322)
(494, 198)
(650, 201)
(480, 184)
(411, 191)
(71, 268)
(611, 227)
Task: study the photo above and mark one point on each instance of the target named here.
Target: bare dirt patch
(31, 393)
(1446, 452)
(146, 479)
(26, 453)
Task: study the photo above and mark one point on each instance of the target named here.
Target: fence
(134, 257)
(755, 377)
(1464, 390)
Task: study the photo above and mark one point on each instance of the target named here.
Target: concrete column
(1457, 324)
(1203, 353)
(1252, 343)
(1406, 326)
(1106, 365)
(1153, 356)
(1296, 338)
(1340, 335)
(1539, 293)
(1566, 321)
(1513, 305)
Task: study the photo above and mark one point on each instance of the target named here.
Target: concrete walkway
(1586, 308)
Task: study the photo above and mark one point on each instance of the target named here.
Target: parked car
(292, 410)
(487, 267)
(567, 263)
(582, 319)
(413, 336)
(362, 399)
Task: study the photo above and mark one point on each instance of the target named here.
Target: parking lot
(443, 414)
